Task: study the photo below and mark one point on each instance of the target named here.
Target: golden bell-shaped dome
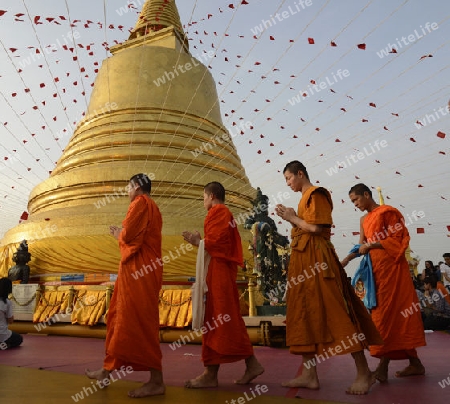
(154, 109)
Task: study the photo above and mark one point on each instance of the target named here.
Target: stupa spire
(157, 15)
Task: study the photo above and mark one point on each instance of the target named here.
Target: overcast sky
(356, 90)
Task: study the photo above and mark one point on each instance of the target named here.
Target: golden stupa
(135, 123)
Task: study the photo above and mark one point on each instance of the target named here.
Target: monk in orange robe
(132, 339)
(226, 339)
(324, 316)
(385, 237)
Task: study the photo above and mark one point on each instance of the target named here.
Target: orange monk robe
(394, 289)
(324, 316)
(225, 341)
(132, 337)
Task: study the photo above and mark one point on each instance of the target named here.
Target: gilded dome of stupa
(152, 108)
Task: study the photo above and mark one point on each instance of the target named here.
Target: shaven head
(216, 189)
(359, 189)
(294, 167)
(142, 181)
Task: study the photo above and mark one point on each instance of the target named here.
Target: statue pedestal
(24, 301)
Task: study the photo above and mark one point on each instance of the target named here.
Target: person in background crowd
(8, 338)
(445, 270)
(430, 269)
(436, 316)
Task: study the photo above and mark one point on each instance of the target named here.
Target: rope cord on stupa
(368, 34)
(347, 25)
(184, 113)
(17, 140)
(28, 302)
(81, 299)
(107, 66)
(56, 303)
(167, 303)
(17, 115)
(148, 32)
(64, 107)
(175, 308)
(305, 70)
(77, 59)
(285, 52)
(89, 307)
(183, 187)
(51, 303)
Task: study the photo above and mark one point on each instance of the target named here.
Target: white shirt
(445, 269)
(5, 313)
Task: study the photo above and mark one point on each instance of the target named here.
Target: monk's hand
(289, 214)
(193, 238)
(115, 231)
(364, 249)
(285, 212)
(187, 236)
(279, 209)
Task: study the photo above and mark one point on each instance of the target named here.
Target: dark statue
(271, 266)
(20, 271)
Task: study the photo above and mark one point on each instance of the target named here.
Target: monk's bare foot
(411, 370)
(99, 375)
(252, 372)
(203, 381)
(303, 381)
(381, 372)
(147, 390)
(362, 384)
